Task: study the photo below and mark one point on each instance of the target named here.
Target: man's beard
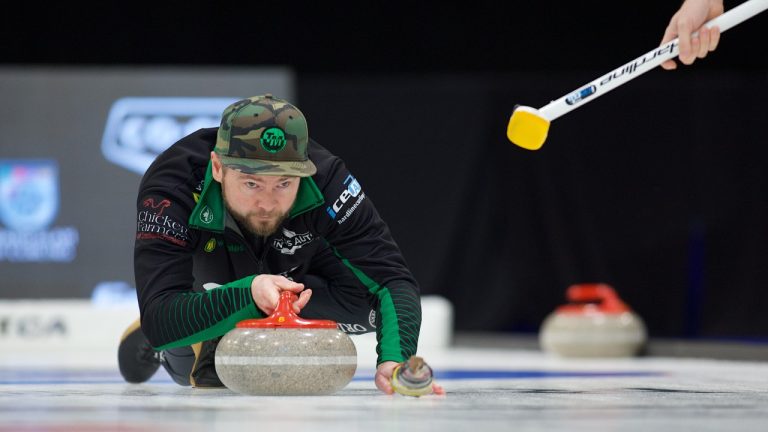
(259, 227)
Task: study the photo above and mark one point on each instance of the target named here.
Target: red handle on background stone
(285, 317)
(594, 297)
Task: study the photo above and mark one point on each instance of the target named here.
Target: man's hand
(689, 19)
(266, 289)
(384, 376)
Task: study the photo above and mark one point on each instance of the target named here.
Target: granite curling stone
(286, 355)
(595, 324)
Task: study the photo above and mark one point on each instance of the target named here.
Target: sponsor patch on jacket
(152, 223)
(290, 241)
(352, 328)
(353, 193)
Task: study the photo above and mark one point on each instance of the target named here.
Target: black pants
(353, 312)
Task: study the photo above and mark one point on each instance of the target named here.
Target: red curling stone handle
(593, 298)
(285, 317)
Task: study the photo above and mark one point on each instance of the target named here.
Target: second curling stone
(595, 324)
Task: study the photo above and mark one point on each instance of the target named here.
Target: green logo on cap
(273, 139)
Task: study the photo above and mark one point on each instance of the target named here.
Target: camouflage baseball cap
(264, 135)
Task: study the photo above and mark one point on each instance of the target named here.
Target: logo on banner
(29, 203)
(139, 128)
(33, 327)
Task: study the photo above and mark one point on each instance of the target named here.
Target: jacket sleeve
(172, 313)
(363, 242)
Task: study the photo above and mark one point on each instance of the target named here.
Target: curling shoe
(136, 358)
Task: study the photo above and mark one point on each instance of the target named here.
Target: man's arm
(172, 313)
(363, 243)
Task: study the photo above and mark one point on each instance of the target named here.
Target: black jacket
(186, 239)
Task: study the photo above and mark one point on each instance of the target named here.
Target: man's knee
(193, 365)
(178, 362)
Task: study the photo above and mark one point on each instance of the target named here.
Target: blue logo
(29, 202)
(139, 129)
(353, 189)
(29, 194)
(580, 95)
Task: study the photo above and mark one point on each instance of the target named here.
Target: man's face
(260, 203)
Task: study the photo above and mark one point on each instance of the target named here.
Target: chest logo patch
(206, 216)
(290, 241)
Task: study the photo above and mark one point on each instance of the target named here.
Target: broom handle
(644, 63)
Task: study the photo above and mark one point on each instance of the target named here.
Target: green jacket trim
(249, 311)
(307, 198)
(388, 334)
(209, 213)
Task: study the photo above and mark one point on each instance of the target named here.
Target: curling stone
(595, 324)
(284, 354)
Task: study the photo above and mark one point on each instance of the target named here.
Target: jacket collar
(210, 214)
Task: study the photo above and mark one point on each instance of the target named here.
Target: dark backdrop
(354, 37)
(658, 188)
